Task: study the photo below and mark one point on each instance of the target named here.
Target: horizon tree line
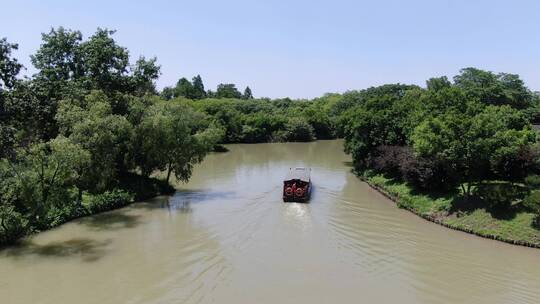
(195, 90)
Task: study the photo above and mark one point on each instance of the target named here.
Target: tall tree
(109, 140)
(145, 72)
(9, 69)
(59, 57)
(172, 138)
(9, 66)
(247, 94)
(105, 62)
(184, 88)
(198, 88)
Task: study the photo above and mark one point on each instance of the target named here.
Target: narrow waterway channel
(227, 237)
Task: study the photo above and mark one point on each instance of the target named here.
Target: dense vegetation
(248, 120)
(470, 141)
(87, 132)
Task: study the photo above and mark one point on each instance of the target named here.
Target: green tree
(320, 121)
(69, 68)
(9, 66)
(91, 123)
(473, 144)
(167, 93)
(247, 94)
(298, 129)
(46, 175)
(198, 88)
(376, 120)
(211, 94)
(184, 88)
(172, 138)
(438, 83)
(144, 74)
(228, 90)
(105, 62)
(9, 69)
(496, 89)
(59, 57)
(13, 223)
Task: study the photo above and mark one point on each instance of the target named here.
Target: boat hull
(297, 198)
(297, 185)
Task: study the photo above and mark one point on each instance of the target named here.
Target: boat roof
(300, 173)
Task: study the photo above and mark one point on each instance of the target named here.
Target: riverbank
(517, 228)
(204, 243)
(131, 188)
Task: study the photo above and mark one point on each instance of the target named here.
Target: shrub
(533, 181)
(388, 159)
(13, 225)
(500, 195)
(108, 200)
(419, 172)
(511, 163)
(57, 215)
(298, 129)
(428, 173)
(532, 201)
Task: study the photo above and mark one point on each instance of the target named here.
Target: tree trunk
(466, 191)
(6, 230)
(80, 196)
(169, 173)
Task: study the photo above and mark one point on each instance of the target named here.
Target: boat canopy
(299, 173)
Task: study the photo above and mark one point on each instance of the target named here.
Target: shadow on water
(89, 250)
(182, 200)
(202, 195)
(111, 221)
(348, 164)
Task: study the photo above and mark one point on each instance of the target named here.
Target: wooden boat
(297, 185)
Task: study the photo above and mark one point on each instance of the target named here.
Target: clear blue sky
(299, 48)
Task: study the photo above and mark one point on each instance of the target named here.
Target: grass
(517, 228)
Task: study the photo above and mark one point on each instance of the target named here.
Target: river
(227, 237)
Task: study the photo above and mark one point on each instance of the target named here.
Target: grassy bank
(516, 225)
(131, 188)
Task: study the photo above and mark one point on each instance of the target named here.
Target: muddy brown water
(226, 237)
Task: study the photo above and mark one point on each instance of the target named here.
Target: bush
(500, 195)
(419, 172)
(532, 201)
(298, 129)
(13, 225)
(57, 215)
(108, 200)
(428, 173)
(533, 181)
(389, 159)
